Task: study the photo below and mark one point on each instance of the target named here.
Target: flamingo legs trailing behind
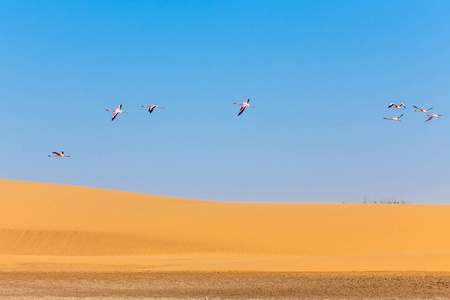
(116, 112)
(152, 107)
(243, 106)
(395, 119)
(59, 154)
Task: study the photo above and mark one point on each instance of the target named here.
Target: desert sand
(75, 242)
(223, 285)
(77, 228)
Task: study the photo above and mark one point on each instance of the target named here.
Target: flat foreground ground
(224, 285)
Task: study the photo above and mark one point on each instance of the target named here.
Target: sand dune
(67, 225)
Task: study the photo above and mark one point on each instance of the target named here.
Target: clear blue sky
(320, 73)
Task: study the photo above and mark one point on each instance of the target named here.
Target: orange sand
(67, 227)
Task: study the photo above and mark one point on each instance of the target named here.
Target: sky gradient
(320, 73)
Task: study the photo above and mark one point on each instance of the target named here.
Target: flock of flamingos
(246, 104)
(118, 110)
(402, 106)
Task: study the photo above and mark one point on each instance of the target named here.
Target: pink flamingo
(422, 110)
(395, 119)
(152, 107)
(116, 112)
(397, 106)
(433, 116)
(243, 106)
(59, 154)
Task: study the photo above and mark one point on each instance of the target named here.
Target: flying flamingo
(397, 106)
(422, 110)
(59, 154)
(395, 119)
(116, 112)
(433, 116)
(152, 107)
(243, 106)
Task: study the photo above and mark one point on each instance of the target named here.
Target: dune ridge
(51, 220)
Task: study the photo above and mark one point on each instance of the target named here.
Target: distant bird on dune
(59, 154)
(395, 119)
(392, 105)
(243, 106)
(422, 110)
(152, 107)
(116, 112)
(433, 116)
